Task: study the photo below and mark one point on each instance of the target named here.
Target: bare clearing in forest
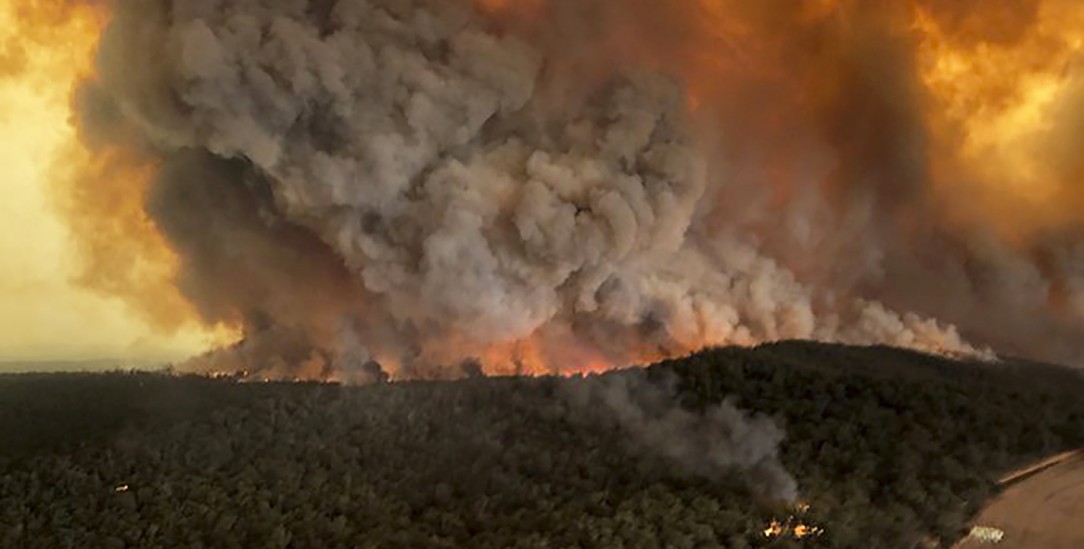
(1040, 512)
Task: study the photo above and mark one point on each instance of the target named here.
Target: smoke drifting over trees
(712, 444)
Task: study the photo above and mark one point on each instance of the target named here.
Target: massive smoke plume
(555, 184)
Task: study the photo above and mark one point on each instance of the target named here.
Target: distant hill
(890, 448)
(57, 366)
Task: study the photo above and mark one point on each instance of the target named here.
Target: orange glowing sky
(44, 314)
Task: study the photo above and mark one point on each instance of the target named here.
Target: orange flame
(538, 355)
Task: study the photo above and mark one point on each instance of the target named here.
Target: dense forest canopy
(889, 448)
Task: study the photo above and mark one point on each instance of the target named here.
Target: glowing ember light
(802, 531)
(774, 529)
(236, 376)
(793, 526)
(799, 530)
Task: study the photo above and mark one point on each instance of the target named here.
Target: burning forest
(520, 198)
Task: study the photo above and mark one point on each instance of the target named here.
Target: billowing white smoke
(451, 203)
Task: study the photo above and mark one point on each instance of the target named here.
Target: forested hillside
(889, 449)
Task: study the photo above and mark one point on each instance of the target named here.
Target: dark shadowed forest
(889, 448)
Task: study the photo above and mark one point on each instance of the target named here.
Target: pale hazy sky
(42, 315)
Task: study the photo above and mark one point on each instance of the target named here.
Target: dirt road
(1044, 511)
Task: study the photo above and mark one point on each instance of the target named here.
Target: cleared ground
(1044, 511)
